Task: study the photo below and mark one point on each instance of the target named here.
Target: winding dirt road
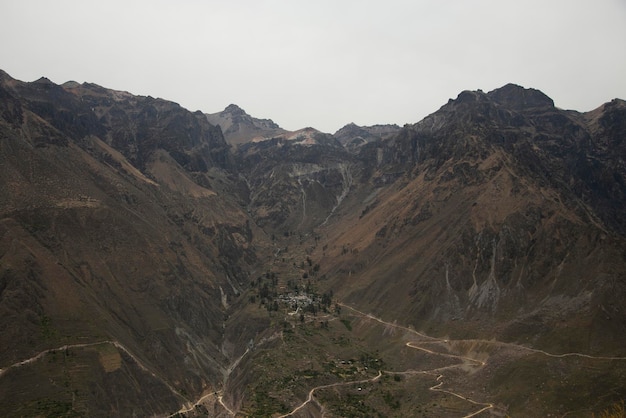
(418, 345)
(490, 342)
(471, 360)
(331, 385)
(437, 388)
(414, 345)
(119, 346)
(48, 351)
(189, 406)
(218, 399)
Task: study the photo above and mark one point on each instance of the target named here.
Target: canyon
(161, 262)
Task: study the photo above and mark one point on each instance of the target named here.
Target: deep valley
(161, 262)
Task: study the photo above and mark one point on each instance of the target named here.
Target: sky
(322, 63)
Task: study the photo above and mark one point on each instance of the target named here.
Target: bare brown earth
(471, 264)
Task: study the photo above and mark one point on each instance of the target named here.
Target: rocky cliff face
(296, 181)
(493, 209)
(154, 259)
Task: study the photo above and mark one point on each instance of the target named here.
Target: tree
(265, 291)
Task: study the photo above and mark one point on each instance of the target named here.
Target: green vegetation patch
(347, 324)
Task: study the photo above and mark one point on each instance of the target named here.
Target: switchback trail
(419, 345)
(437, 387)
(188, 405)
(331, 385)
(491, 342)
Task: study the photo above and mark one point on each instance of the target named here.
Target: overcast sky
(322, 63)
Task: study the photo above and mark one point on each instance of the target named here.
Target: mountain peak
(71, 84)
(233, 109)
(470, 96)
(239, 127)
(518, 97)
(43, 80)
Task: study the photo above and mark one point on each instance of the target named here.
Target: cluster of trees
(267, 289)
(310, 268)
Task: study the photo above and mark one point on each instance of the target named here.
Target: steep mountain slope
(116, 228)
(149, 267)
(296, 181)
(497, 212)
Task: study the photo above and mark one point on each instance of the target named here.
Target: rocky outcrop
(238, 127)
(353, 137)
(295, 181)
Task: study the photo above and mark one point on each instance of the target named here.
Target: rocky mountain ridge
(135, 234)
(352, 136)
(511, 165)
(239, 127)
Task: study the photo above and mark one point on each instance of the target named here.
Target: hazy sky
(322, 63)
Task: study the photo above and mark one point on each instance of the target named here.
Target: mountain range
(156, 261)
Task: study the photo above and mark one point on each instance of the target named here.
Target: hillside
(156, 261)
(495, 212)
(116, 227)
